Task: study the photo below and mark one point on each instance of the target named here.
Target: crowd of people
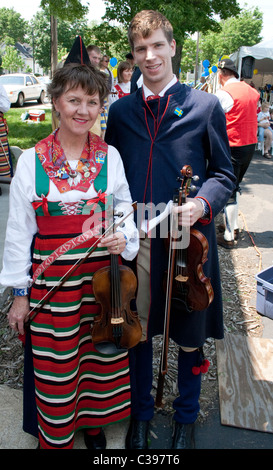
(111, 147)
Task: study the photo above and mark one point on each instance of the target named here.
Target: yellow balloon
(210, 70)
(114, 72)
(255, 71)
(225, 57)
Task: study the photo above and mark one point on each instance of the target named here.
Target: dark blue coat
(155, 143)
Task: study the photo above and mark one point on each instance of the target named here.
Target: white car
(21, 87)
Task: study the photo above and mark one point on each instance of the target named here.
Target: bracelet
(20, 292)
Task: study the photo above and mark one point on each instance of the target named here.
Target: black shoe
(183, 436)
(137, 435)
(95, 442)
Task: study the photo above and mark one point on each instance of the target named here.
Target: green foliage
(69, 10)
(67, 31)
(11, 60)
(12, 26)
(244, 30)
(24, 135)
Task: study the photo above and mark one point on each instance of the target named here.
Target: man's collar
(148, 92)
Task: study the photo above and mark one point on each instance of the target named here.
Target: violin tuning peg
(195, 178)
(193, 188)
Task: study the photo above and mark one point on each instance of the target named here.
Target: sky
(27, 8)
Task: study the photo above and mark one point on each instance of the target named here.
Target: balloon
(114, 72)
(206, 63)
(206, 72)
(255, 71)
(214, 68)
(210, 70)
(224, 57)
(113, 61)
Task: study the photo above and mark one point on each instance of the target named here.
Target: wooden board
(245, 375)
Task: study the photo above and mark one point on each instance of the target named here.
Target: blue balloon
(206, 63)
(113, 61)
(214, 68)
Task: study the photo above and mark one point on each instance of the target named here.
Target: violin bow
(73, 268)
(185, 182)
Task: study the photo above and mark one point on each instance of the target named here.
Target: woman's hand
(18, 312)
(115, 243)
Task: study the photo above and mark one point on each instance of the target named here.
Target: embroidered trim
(20, 292)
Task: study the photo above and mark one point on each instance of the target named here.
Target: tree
(245, 30)
(12, 26)
(187, 17)
(67, 31)
(11, 60)
(67, 10)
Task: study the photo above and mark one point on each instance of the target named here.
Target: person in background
(61, 189)
(159, 129)
(239, 102)
(94, 54)
(124, 79)
(99, 127)
(265, 132)
(104, 67)
(6, 167)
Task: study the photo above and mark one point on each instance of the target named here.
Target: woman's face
(127, 75)
(78, 111)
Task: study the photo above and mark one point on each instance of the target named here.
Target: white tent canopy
(263, 55)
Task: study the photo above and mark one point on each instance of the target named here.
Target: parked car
(22, 87)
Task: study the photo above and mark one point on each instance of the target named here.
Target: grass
(23, 134)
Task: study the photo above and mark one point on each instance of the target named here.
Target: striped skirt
(75, 385)
(5, 158)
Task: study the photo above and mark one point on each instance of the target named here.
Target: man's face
(94, 58)
(154, 58)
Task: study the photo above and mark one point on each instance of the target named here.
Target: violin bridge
(181, 278)
(116, 321)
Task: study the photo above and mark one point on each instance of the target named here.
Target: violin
(186, 286)
(190, 285)
(117, 328)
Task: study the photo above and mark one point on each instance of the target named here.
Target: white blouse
(22, 225)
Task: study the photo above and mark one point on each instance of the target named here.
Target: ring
(117, 247)
(12, 324)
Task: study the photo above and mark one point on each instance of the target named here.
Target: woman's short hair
(121, 67)
(145, 23)
(73, 75)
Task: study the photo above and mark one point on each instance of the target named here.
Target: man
(239, 101)
(156, 138)
(99, 127)
(94, 53)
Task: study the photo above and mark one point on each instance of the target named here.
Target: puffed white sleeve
(21, 226)
(123, 203)
(4, 100)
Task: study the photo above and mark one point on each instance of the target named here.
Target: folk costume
(156, 138)
(6, 168)
(123, 89)
(239, 101)
(54, 202)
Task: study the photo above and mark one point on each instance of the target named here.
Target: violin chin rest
(106, 347)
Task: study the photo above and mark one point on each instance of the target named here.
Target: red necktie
(152, 97)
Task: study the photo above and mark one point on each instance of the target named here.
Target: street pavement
(255, 204)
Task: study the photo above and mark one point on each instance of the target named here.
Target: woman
(5, 157)
(57, 187)
(125, 72)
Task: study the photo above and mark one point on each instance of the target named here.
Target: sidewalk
(255, 203)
